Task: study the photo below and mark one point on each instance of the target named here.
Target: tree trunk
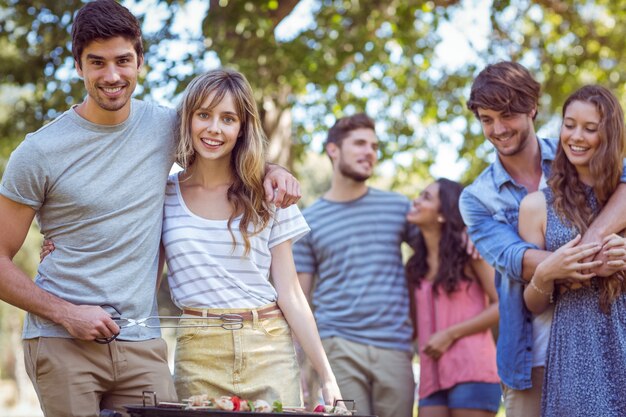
(277, 122)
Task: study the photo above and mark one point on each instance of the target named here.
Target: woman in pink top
(454, 306)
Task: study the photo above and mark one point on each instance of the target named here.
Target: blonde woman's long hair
(605, 166)
(246, 193)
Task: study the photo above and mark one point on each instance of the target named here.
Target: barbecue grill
(141, 411)
(152, 408)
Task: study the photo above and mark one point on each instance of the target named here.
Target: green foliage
(34, 39)
(363, 55)
(332, 68)
(315, 171)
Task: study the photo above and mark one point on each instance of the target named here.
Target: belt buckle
(231, 321)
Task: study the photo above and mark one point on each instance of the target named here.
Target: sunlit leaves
(356, 55)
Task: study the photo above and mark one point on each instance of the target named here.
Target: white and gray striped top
(206, 270)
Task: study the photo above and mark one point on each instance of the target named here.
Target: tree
(34, 39)
(357, 51)
(357, 55)
(383, 58)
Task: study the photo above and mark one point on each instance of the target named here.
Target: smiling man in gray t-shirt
(94, 178)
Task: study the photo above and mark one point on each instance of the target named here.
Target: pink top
(469, 359)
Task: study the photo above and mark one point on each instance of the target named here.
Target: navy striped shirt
(354, 250)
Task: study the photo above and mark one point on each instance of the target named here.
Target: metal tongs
(225, 321)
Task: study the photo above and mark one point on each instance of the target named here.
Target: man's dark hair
(104, 19)
(345, 125)
(505, 87)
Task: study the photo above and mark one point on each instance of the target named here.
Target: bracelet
(542, 292)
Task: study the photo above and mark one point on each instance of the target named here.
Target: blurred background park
(407, 63)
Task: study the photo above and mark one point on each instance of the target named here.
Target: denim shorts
(474, 395)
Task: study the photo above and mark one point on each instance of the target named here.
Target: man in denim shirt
(504, 97)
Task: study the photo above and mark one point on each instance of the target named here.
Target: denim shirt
(490, 209)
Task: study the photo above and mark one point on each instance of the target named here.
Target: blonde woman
(222, 241)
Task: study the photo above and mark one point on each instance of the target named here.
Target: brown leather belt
(265, 313)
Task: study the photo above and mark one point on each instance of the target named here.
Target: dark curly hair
(452, 254)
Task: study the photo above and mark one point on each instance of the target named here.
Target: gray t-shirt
(98, 192)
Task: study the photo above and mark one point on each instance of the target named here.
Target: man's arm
(498, 243)
(306, 282)
(489, 232)
(532, 258)
(281, 187)
(496, 235)
(16, 288)
(567, 261)
(610, 220)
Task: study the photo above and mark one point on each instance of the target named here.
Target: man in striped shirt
(360, 299)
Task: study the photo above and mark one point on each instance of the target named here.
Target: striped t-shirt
(205, 270)
(354, 250)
